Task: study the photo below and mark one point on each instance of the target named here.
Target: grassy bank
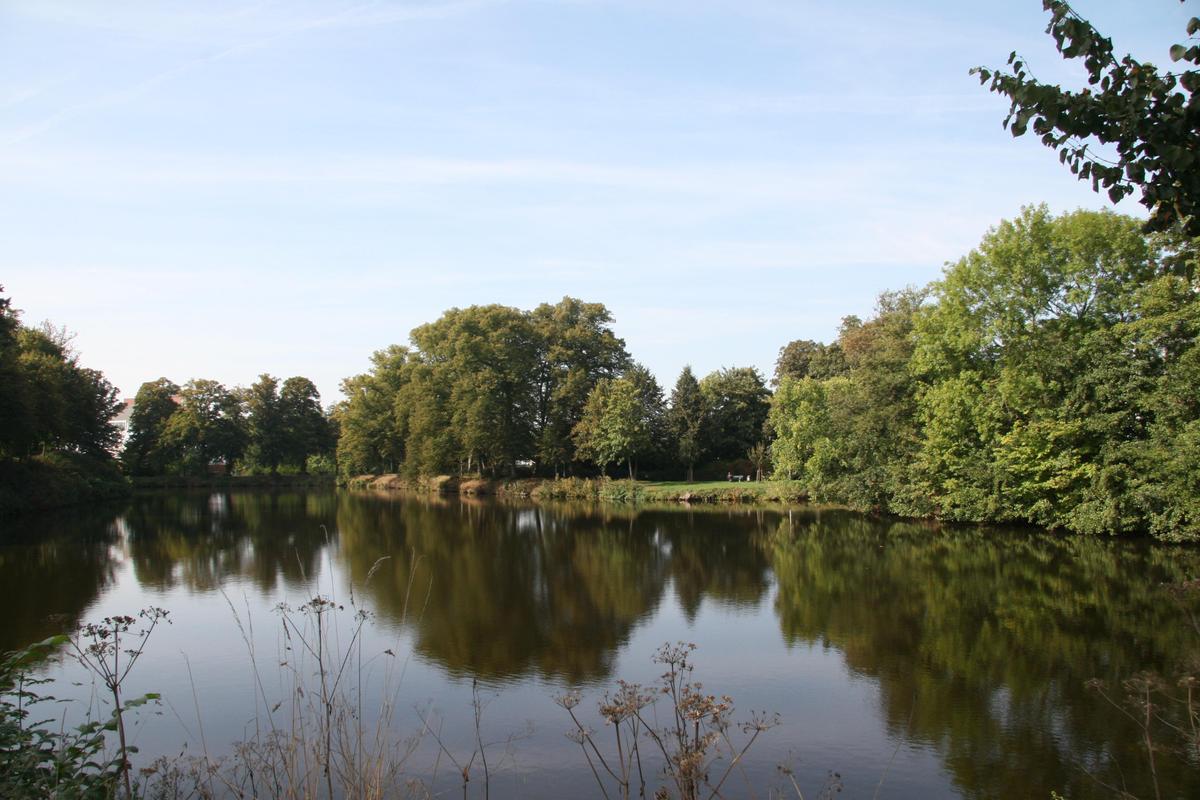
(618, 491)
(58, 480)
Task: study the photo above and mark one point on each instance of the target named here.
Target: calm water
(958, 657)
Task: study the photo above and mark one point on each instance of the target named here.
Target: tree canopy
(48, 400)
(1050, 377)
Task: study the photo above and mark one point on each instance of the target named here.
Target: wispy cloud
(361, 14)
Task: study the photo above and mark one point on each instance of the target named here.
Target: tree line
(498, 391)
(51, 405)
(265, 427)
(1052, 377)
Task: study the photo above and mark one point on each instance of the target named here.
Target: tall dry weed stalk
(694, 748)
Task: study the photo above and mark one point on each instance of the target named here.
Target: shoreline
(620, 491)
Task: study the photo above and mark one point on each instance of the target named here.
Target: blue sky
(222, 189)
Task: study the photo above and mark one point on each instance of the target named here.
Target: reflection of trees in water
(714, 555)
(509, 590)
(52, 567)
(993, 636)
(554, 589)
(983, 638)
(197, 540)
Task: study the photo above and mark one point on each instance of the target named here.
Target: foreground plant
(695, 745)
(43, 757)
(109, 650)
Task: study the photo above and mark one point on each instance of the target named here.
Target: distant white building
(121, 423)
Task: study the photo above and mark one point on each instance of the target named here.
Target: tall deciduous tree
(1150, 118)
(50, 402)
(616, 425)
(737, 401)
(146, 452)
(265, 427)
(208, 428)
(578, 349)
(306, 430)
(371, 428)
(1041, 366)
(484, 356)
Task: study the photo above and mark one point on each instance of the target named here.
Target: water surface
(949, 662)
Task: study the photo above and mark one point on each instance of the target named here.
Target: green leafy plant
(109, 650)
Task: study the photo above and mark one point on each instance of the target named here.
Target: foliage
(737, 400)
(307, 431)
(58, 479)
(265, 425)
(687, 420)
(39, 759)
(1050, 377)
(848, 438)
(481, 389)
(370, 437)
(45, 759)
(48, 400)
(146, 452)
(285, 426)
(209, 427)
(1037, 396)
(1151, 119)
(578, 350)
(617, 424)
(804, 358)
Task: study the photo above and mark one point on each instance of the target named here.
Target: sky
(223, 189)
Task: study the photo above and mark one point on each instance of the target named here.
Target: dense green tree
(371, 437)
(578, 350)
(737, 400)
(687, 420)
(209, 427)
(804, 358)
(1151, 119)
(1051, 377)
(18, 431)
(484, 356)
(51, 402)
(848, 438)
(1059, 381)
(431, 443)
(654, 412)
(265, 427)
(306, 429)
(617, 425)
(1020, 404)
(799, 419)
(481, 389)
(146, 452)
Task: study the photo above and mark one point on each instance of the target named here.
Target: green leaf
(1178, 51)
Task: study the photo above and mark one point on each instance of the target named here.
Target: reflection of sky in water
(871, 623)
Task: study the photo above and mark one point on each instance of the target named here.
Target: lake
(944, 661)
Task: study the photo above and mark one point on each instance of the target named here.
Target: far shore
(616, 490)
